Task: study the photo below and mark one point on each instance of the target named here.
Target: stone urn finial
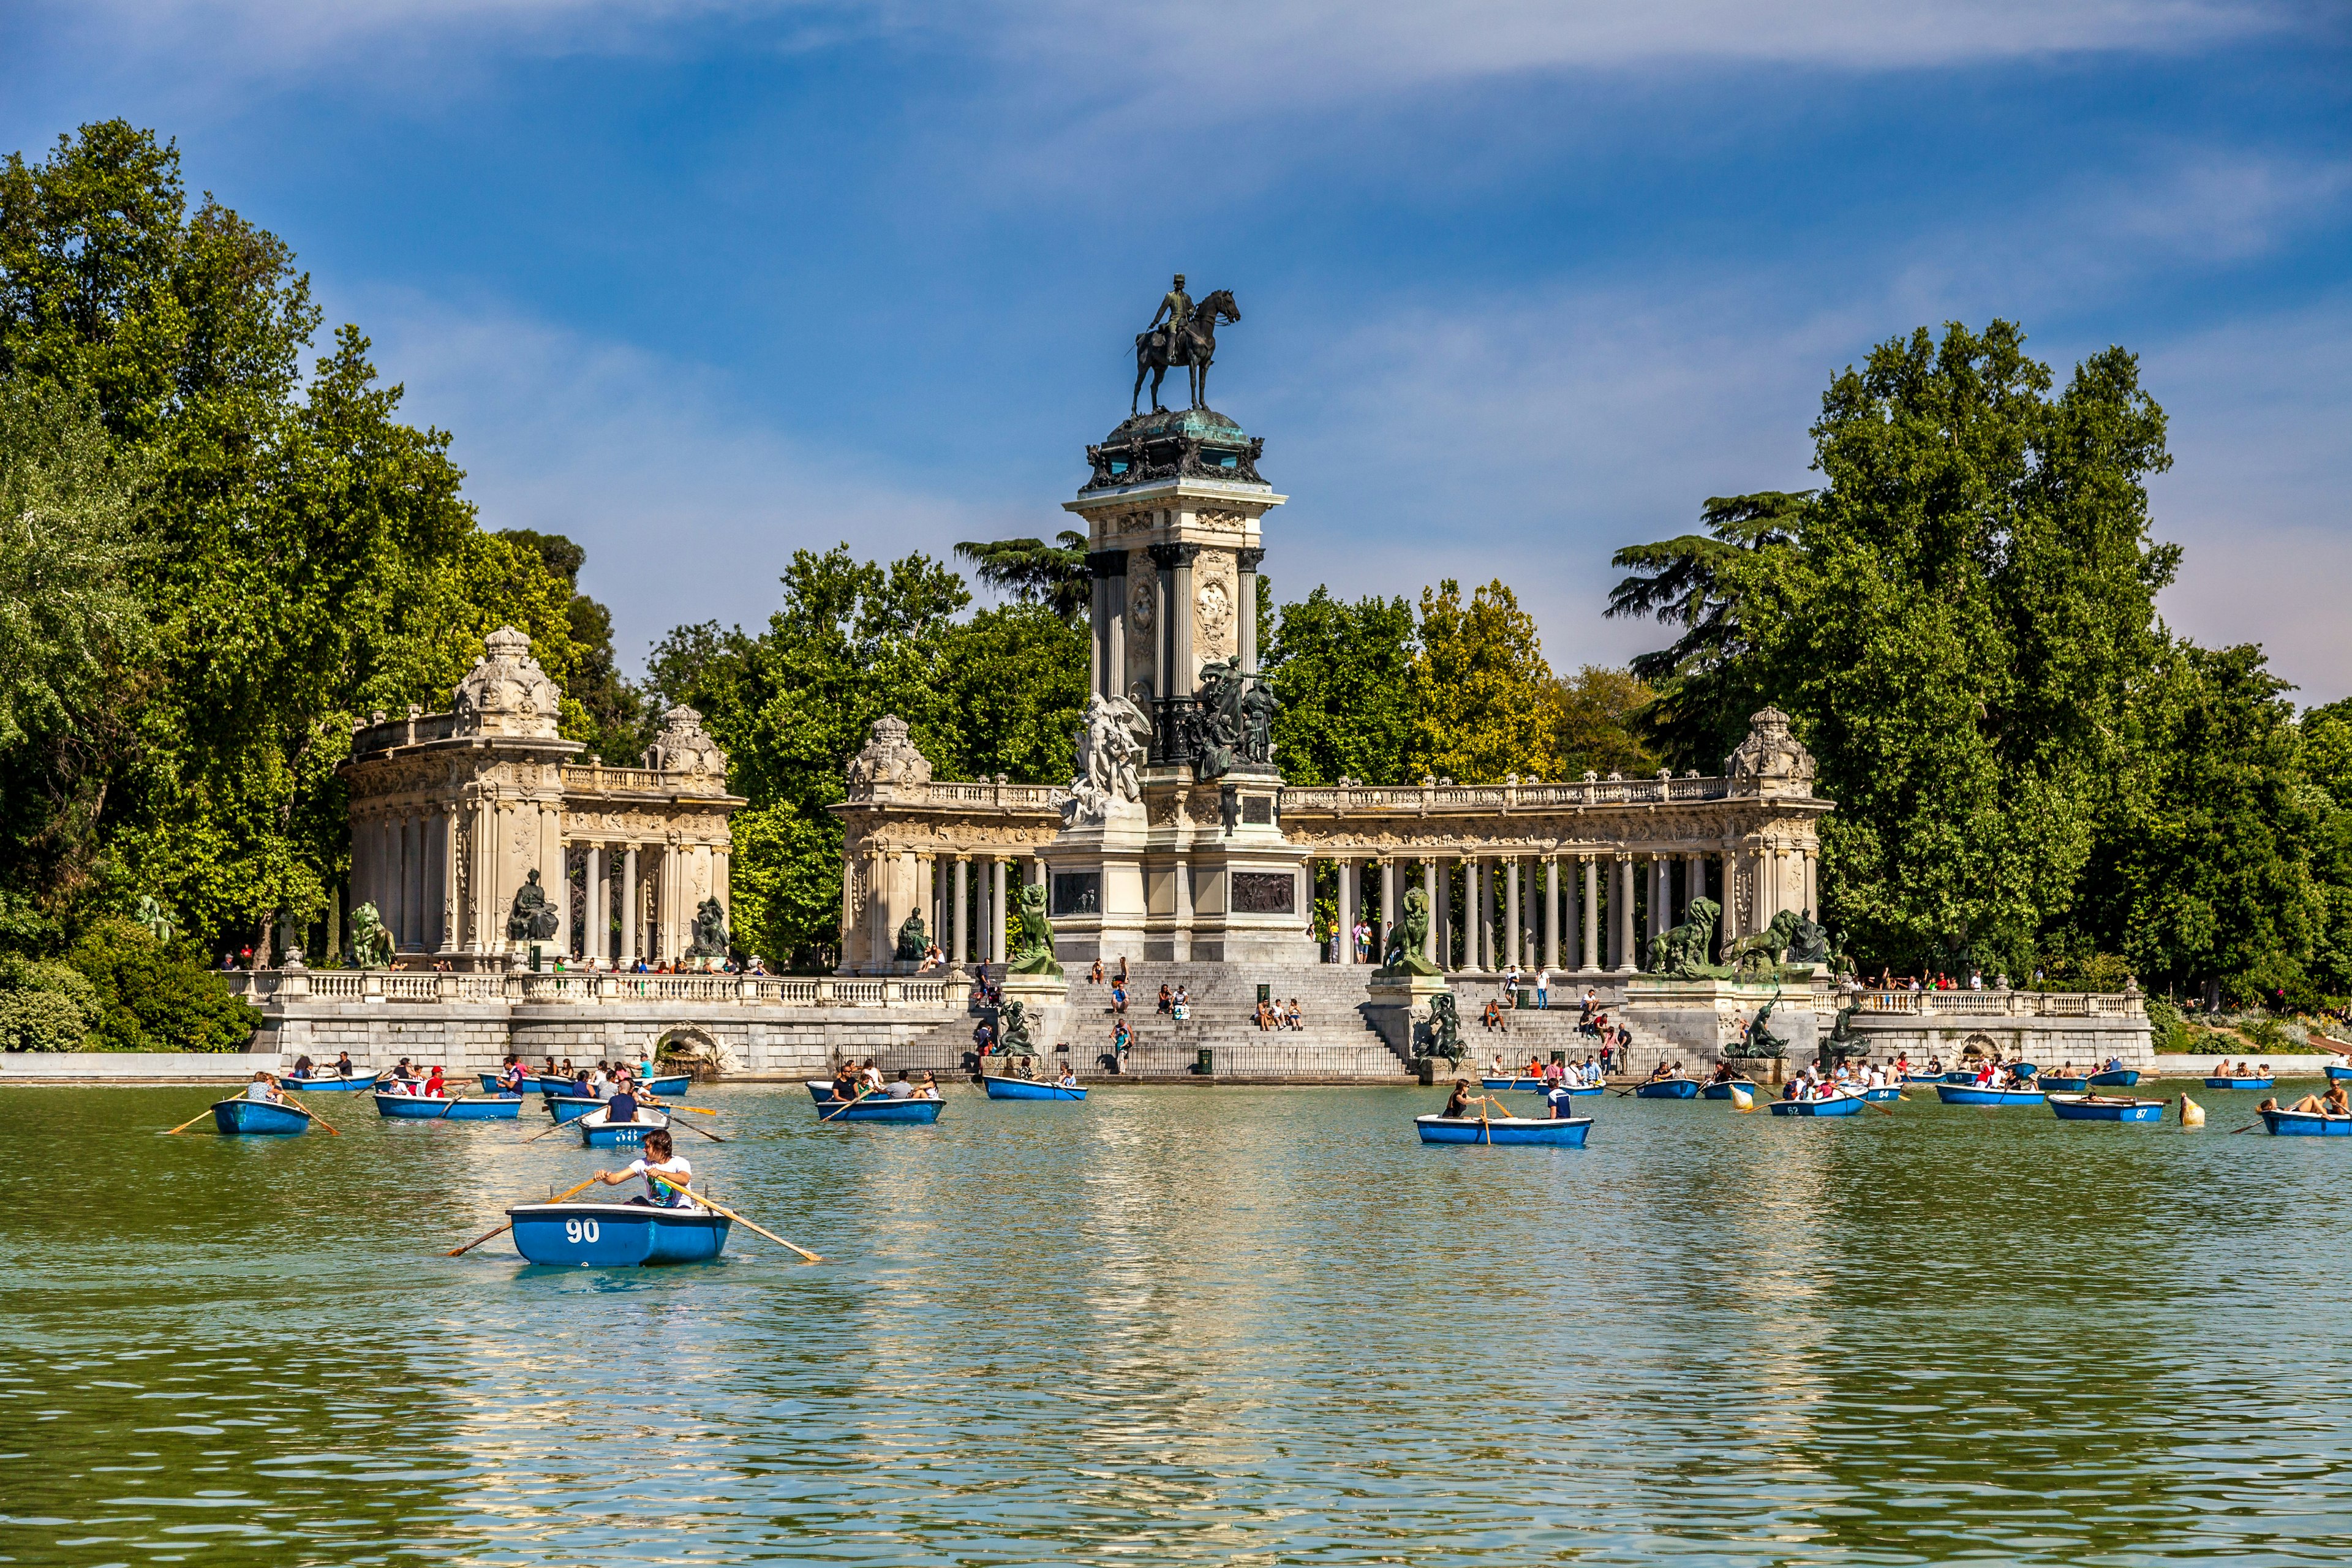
(1770, 762)
(506, 692)
(888, 758)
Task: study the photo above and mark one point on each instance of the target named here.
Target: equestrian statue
(1189, 338)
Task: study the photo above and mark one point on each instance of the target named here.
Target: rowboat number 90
(578, 1230)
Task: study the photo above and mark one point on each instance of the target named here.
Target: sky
(700, 283)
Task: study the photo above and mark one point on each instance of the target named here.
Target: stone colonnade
(1586, 912)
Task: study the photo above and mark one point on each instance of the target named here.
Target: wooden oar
(714, 1137)
(730, 1214)
(837, 1109)
(191, 1121)
(545, 1130)
(309, 1113)
(509, 1225)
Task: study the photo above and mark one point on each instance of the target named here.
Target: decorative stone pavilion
(453, 814)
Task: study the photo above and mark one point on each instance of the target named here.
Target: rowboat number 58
(578, 1230)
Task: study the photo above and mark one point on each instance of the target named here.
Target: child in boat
(658, 1160)
(1069, 1078)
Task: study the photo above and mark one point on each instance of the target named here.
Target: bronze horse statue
(1192, 344)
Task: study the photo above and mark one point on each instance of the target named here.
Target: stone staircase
(1338, 1044)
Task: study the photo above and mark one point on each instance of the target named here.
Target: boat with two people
(1667, 1083)
(263, 1110)
(1001, 1087)
(1492, 1123)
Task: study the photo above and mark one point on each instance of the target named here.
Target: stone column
(1108, 568)
(1163, 597)
(1551, 912)
(1658, 902)
(1344, 891)
(1812, 883)
(1389, 911)
(395, 918)
(1511, 911)
(962, 909)
(1622, 925)
(1488, 949)
(592, 882)
(412, 892)
(1592, 911)
(1246, 608)
(1429, 895)
(1440, 911)
(1187, 663)
(996, 909)
(629, 902)
(1694, 881)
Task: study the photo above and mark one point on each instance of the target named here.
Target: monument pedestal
(1397, 1006)
(1702, 1016)
(1046, 1008)
(1095, 888)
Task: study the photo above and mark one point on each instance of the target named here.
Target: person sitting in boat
(931, 1090)
(658, 1160)
(1792, 1089)
(2333, 1104)
(301, 1067)
(870, 1078)
(903, 1089)
(1069, 1078)
(844, 1081)
(263, 1090)
(622, 1107)
(1564, 1104)
(402, 1073)
(1457, 1104)
(433, 1088)
(1660, 1073)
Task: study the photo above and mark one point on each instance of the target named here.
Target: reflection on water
(1183, 1326)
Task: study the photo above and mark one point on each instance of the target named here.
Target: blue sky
(698, 283)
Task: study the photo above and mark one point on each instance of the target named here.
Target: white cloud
(1303, 48)
(688, 505)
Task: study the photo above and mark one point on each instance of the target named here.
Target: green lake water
(1183, 1326)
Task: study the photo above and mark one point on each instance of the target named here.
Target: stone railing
(595, 776)
(1012, 796)
(1432, 796)
(581, 988)
(2003, 1004)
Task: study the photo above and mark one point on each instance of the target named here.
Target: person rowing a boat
(2334, 1104)
(658, 1160)
(343, 1065)
(1457, 1105)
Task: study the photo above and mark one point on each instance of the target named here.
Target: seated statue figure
(531, 917)
(912, 941)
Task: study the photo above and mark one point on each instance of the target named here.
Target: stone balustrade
(2002, 1004)
(949, 992)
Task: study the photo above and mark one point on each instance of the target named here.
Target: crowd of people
(1274, 1015)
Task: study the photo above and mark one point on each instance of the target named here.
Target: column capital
(1248, 559)
(1168, 557)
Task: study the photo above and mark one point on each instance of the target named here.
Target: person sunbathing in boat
(2333, 1104)
(658, 1160)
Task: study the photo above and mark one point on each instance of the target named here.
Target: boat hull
(1840, 1105)
(2340, 1073)
(2307, 1124)
(1025, 1088)
(1561, 1133)
(486, 1108)
(671, 1086)
(1923, 1078)
(2123, 1078)
(570, 1107)
(1530, 1084)
(595, 1132)
(328, 1085)
(413, 1107)
(889, 1113)
(2083, 1107)
(1721, 1090)
(252, 1119)
(1968, 1094)
(1670, 1089)
(2065, 1085)
(1882, 1094)
(614, 1236)
(2240, 1082)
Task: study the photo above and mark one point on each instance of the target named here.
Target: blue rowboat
(254, 1118)
(1882, 1094)
(2046, 1083)
(1535, 1084)
(1968, 1094)
(570, 1107)
(1835, 1105)
(1720, 1088)
(413, 1107)
(671, 1086)
(882, 1108)
(485, 1108)
(616, 1235)
(334, 1084)
(2096, 1108)
(527, 1084)
(1669, 1088)
(1557, 1132)
(595, 1132)
(1923, 1078)
(1026, 1089)
(2338, 1072)
(1958, 1077)
(2307, 1124)
(2122, 1077)
(2024, 1069)
(2239, 1082)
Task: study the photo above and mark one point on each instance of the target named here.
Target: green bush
(155, 996)
(2169, 1027)
(40, 1021)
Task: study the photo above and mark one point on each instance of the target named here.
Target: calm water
(1183, 1326)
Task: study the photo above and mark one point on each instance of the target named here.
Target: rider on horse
(1177, 306)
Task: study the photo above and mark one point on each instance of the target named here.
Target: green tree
(1036, 572)
(1702, 685)
(620, 727)
(1343, 676)
(1597, 718)
(1956, 628)
(1483, 702)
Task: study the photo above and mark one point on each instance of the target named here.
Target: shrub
(40, 1021)
(155, 996)
(2169, 1027)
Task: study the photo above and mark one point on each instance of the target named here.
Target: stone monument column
(1387, 923)
(1591, 906)
(1109, 569)
(1246, 608)
(1346, 887)
(962, 911)
(1429, 895)
(1511, 911)
(996, 909)
(1551, 912)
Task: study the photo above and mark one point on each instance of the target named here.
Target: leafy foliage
(1598, 714)
(1483, 703)
(1343, 676)
(1036, 572)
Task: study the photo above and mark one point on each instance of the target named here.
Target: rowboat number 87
(576, 1231)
